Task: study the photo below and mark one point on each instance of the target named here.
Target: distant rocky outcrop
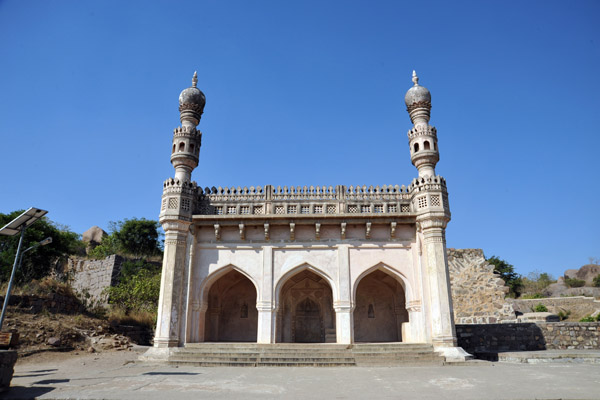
(587, 273)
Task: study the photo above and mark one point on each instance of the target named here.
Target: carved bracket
(393, 229)
(414, 305)
(318, 230)
(242, 231)
(343, 230)
(217, 232)
(266, 231)
(368, 230)
(292, 231)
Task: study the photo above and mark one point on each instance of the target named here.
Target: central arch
(305, 313)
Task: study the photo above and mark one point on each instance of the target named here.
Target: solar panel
(23, 220)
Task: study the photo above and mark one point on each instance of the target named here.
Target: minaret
(430, 202)
(422, 138)
(186, 138)
(176, 219)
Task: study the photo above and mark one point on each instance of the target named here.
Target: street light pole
(19, 225)
(12, 276)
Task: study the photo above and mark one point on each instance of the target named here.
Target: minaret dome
(191, 103)
(418, 102)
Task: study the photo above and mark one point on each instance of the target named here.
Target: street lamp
(19, 225)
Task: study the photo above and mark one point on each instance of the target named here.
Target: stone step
(282, 356)
(263, 351)
(301, 354)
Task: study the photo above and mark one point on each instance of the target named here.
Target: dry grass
(40, 287)
(117, 316)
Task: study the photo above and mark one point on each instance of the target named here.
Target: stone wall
(490, 338)
(54, 303)
(89, 278)
(578, 305)
(8, 358)
(477, 292)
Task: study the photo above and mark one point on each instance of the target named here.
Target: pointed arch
(379, 299)
(229, 296)
(298, 269)
(381, 266)
(304, 302)
(214, 276)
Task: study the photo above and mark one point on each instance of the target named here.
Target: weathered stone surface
(579, 305)
(477, 338)
(93, 235)
(90, 278)
(54, 341)
(8, 358)
(477, 292)
(586, 273)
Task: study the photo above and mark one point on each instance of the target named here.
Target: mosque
(343, 264)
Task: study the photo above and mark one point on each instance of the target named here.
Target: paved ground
(118, 375)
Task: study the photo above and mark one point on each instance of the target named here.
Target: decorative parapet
(175, 186)
(422, 130)
(313, 200)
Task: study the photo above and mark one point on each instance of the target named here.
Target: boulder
(93, 235)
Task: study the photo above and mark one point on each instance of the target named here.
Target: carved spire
(423, 137)
(195, 79)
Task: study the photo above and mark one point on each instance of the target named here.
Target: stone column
(264, 304)
(343, 305)
(443, 333)
(169, 319)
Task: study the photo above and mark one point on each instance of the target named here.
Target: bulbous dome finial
(192, 100)
(417, 93)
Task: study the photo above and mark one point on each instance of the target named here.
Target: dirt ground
(46, 336)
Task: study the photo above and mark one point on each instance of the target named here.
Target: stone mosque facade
(343, 264)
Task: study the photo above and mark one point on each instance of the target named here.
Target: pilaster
(343, 305)
(172, 288)
(436, 269)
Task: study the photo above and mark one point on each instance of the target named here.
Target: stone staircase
(303, 355)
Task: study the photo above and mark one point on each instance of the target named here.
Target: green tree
(507, 272)
(39, 262)
(137, 237)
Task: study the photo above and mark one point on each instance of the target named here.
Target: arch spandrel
(298, 269)
(394, 273)
(220, 272)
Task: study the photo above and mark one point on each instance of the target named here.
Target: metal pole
(12, 276)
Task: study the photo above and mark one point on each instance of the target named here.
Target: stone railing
(311, 200)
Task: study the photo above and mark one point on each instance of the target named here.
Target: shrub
(596, 281)
(137, 292)
(588, 318)
(533, 296)
(540, 308)
(574, 282)
(564, 314)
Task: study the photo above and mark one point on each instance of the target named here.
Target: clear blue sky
(311, 93)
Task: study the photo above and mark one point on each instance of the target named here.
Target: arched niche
(305, 313)
(231, 315)
(380, 307)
